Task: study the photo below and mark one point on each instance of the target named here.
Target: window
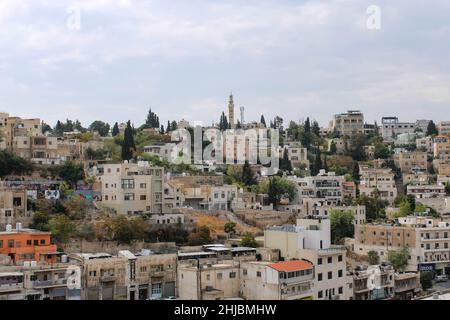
(319, 261)
(42, 242)
(143, 197)
(1, 243)
(29, 242)
(219, 276)
(320, 294)
(232, 275)
(127, 184)
(157, 290)
(36, 242)
(106, 198)
(340, 290)
(92, 273)
(330, 259)
(10, 243)
(258, 274)
(143, 185)
(144, 269)
(340, 258)
(208, 277)
(129, 197)
(330, 275)
(319, 277)
(244, 272)
(340, 273)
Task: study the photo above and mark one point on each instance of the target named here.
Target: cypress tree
(115, 130)
(307, 126)
(431, 129)
(128, 146)
(263, 121)
(247, 175)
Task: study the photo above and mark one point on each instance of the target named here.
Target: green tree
(315, 128)
(248, 240)
(431, 129)
(86, 232)
(278, 188)
(41, 221)
(46, 128)
(342, 225)
(12, 164)
(333, 148)
(115, 130)
(356, 147)
(374, 258)
(201, 237)
(263, 121)
(355, 171)
(128, 147)
(447, 188)
(381, 151)
(317, 163)
(399, 258)
(101, 127)
(426, 279)
(285, 163)
(62, 228)
(70, 173)
(248, 177)
(230, 227)
(152, 120)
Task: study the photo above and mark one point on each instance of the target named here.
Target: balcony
(107, 278)
(39, 284)
(12, 287)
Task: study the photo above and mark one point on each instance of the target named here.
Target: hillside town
(347, 210)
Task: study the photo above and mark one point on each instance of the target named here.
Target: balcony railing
(11, 287)
(49, 283)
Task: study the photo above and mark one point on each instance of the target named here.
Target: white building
(310, 239)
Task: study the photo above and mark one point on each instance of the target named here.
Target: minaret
(231, 112)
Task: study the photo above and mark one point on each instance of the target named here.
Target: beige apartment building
(286, 280)
(421, 178)
(127, 276)
(297, 155)
(37, 282)
(425, 143)
(11, 127)
(441, 146)
(13, 206)
(383, 285)
(348, 123)
(411, 162)
(444, 127)
(310, 239)
(380, 179)
(426, 191)
(209, 281)
(325, 186)
(427, 239)
(132, 188)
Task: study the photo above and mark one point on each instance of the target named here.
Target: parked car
(441, 278)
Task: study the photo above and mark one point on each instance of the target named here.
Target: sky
(112, 60)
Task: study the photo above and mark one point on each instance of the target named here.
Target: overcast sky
(183, 57)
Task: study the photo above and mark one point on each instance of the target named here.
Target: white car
(441, 278)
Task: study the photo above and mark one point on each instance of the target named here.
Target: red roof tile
(290, 266)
